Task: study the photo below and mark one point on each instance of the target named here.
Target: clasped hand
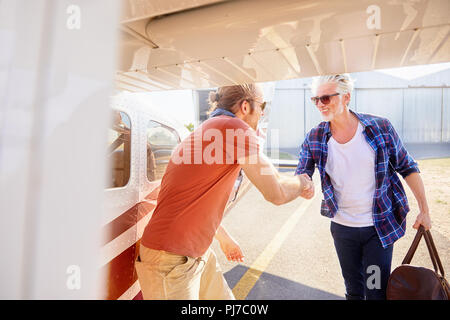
(307, 186)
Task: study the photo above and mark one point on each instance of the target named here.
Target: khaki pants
(167, 276)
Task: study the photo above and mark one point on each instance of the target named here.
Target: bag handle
(413, 247)
(431, 250)
(430, 244)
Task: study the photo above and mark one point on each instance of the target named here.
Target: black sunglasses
(325, 99)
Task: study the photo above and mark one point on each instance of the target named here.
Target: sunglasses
(325, 99)
(263, 104)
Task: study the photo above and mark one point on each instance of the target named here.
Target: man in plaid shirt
(357, 156)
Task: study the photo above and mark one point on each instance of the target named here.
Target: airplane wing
(204, 44)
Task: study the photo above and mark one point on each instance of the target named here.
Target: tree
(190, 126)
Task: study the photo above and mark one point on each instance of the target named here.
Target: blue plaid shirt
(390, 204)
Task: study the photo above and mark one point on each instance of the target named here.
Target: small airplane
(64, 235)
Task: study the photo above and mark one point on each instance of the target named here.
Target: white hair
(344, 83)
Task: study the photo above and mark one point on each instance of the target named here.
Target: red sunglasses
(325, 99)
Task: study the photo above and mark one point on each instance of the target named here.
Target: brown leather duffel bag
(408, 282)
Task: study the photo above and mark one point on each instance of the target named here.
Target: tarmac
(289, 251)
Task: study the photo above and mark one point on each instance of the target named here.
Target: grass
(283, 156)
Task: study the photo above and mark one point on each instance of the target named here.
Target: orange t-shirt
(196, 186)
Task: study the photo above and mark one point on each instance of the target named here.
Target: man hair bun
(214, 97)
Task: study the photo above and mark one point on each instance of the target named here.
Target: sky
(179, 104)
(412, 72)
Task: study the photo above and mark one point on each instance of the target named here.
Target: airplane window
(161, 141)
(119, 150)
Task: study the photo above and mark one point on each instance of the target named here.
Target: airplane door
(121, 202)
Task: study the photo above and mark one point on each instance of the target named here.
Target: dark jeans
(365, 264)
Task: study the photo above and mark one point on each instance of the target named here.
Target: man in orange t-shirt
(175, 260)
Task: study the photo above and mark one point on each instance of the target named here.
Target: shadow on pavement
(271, 287)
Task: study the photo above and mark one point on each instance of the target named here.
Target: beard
(327, 117)
(331, 115)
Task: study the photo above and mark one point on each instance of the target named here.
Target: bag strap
(431, 250)
(414, 245)
(430, 245)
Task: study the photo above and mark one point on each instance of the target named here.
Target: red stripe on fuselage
(120, 271)
(139, 296)
(129, 218)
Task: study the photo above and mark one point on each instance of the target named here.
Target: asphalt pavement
(289, 251)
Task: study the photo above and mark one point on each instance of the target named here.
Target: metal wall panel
(436, 79)
(386, 103)
(375, 79)
(446, 115)
(287, 116)
(422, 115)
(312, 115)
(419, 115)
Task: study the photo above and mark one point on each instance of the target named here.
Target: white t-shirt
(351, 167)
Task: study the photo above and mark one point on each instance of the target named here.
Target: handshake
(306, 186)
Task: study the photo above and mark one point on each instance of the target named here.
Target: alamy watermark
(74, 279)
(374, 20)
(374, 280)
(226, 146)
(74, 19)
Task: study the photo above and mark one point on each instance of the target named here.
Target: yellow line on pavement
(249, 279)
